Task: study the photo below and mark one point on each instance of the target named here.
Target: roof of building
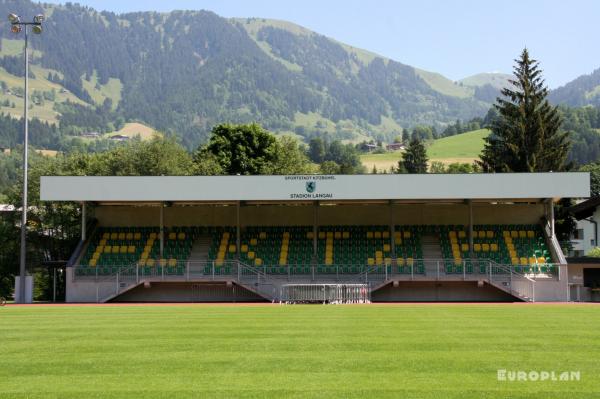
(585, 209)
(423, 187)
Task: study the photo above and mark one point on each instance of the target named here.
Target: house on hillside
(395, 146)
(91, 135)
(119, 137)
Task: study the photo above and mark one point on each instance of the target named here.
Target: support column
(315, 226)
(162, 229)
(392, 230)
(83, 221)
(237, 229)
(470, 203)
(551, 211)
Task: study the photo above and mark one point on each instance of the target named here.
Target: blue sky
(457, 38)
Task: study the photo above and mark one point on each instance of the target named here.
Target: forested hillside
(185, 71)
(585, 90)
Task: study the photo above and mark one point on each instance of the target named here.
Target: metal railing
(120, 278)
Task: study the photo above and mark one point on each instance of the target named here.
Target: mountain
(184, 71)
(585, 90)
(495, 79)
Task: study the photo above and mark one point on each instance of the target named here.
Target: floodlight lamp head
(38, 19)
(15, 28)
(14, 18)
(37, 29)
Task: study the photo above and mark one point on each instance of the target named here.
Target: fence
(325, 293)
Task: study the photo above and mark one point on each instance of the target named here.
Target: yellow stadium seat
(386, 248)
(310, 235)
(329, 234)
(485, 247)
(144, 255)
(530, 234)
(137, 236)
(121, 236)
(162, 262)
(338, 235)
(107, 249)
(462, 234)
(172, 235)
(150, 262)
(400, 261)
(181, 236)
(409, 261)
(283, 261)
(508, 240)
(494, 247)
(514, 261)
(172, 262)
(477, 247)
(523, 261)
(514, 234)
(489, 234)
(219, 262)
(457, 261)
(251, 255)
(102, 242)
(464, 247)
(115, 249)
(96, 255)
(123, 249)
(506, 234)
(369, 234)
(232, 248)
(321, 235)
(398, 240)
(532, 260)
(262, 235)
(105, 236)
(286, 234)
(481, 234)
(153, 236)
(522, 234)
(258, 262)
(226, 235)
(378, 254)
(129, 236)
(452, 233)
(244, 248)
(385, 234)
(114, 236)
(93, 262)
(346, 235)
(541, 260)
(387, 261)
(370, 261)
(253, 241)
(377, 235)
(406, 234)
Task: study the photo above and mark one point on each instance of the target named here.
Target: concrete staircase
(200, 248)
(431, 247)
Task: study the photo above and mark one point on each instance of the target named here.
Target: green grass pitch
(372, 351)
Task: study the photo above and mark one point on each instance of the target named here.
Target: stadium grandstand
(317, 238)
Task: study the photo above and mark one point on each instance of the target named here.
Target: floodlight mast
(16, 27)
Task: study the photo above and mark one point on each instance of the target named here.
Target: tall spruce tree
(414, 159)
(526, 136)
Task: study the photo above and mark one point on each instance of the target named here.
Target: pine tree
(414, 159)
(526, 136)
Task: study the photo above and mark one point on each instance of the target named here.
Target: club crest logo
(311, 186)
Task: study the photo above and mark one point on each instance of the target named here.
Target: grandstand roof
(505, 186)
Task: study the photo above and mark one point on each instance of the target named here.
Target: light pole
(16, 27)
